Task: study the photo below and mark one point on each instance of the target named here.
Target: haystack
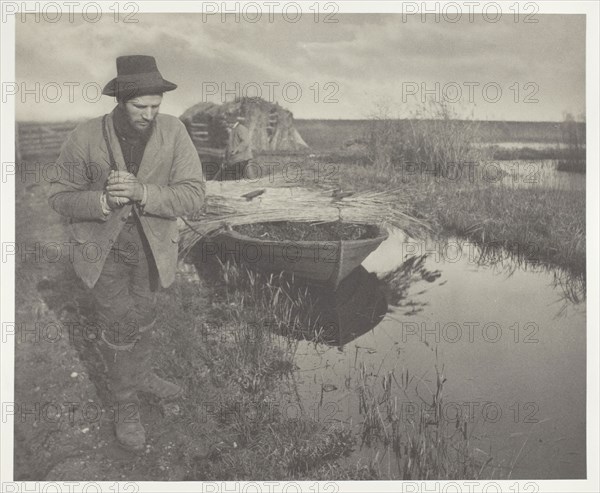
(271, 126)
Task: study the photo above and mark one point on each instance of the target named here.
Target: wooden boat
(323, 262)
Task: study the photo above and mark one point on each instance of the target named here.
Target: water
(512, 347)
(523, 144)
(533, 174)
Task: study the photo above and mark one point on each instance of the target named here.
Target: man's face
(142, 110)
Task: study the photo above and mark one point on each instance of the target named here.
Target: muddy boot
(123, 362)
(128, 424)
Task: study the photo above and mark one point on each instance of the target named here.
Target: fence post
(17, 145)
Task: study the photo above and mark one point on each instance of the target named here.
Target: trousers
(125, 298)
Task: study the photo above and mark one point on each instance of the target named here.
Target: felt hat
(137, 75)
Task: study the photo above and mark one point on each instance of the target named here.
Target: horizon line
(338, 120)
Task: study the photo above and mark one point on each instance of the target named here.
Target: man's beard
(142, 133)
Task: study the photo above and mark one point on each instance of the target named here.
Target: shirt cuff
(104, 203)
(144, 196)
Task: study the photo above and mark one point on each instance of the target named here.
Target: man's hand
(122, 188)
(115, 203)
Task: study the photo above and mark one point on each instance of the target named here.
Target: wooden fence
(44, 140)
(41, 140)
(199, 132)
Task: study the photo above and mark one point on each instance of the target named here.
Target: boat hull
(321, 262)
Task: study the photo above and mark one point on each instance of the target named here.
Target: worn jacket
(171, 170)
(238, 145)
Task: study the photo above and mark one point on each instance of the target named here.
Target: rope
(111, 157)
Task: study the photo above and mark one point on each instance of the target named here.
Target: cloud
(365, 56)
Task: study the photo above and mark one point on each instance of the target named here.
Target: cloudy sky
(499, 71)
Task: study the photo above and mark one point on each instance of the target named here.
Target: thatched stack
(271, 126)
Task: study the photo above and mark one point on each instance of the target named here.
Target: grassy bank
(543, 226)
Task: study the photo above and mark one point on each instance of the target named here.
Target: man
(238, 152)
(125, 178)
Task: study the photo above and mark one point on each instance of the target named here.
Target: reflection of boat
(354, 308)
(323, 262)
(321, 313)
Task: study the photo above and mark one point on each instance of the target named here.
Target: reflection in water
(399, 249)
(398, 281)
(338, 317)
(360, 302)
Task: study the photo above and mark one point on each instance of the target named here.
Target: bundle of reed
(230, 204)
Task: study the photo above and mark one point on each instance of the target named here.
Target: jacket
(171, 170)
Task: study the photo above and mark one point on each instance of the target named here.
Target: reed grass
(431, 140)
(226, 207)
(256, 312)
(419, 444)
